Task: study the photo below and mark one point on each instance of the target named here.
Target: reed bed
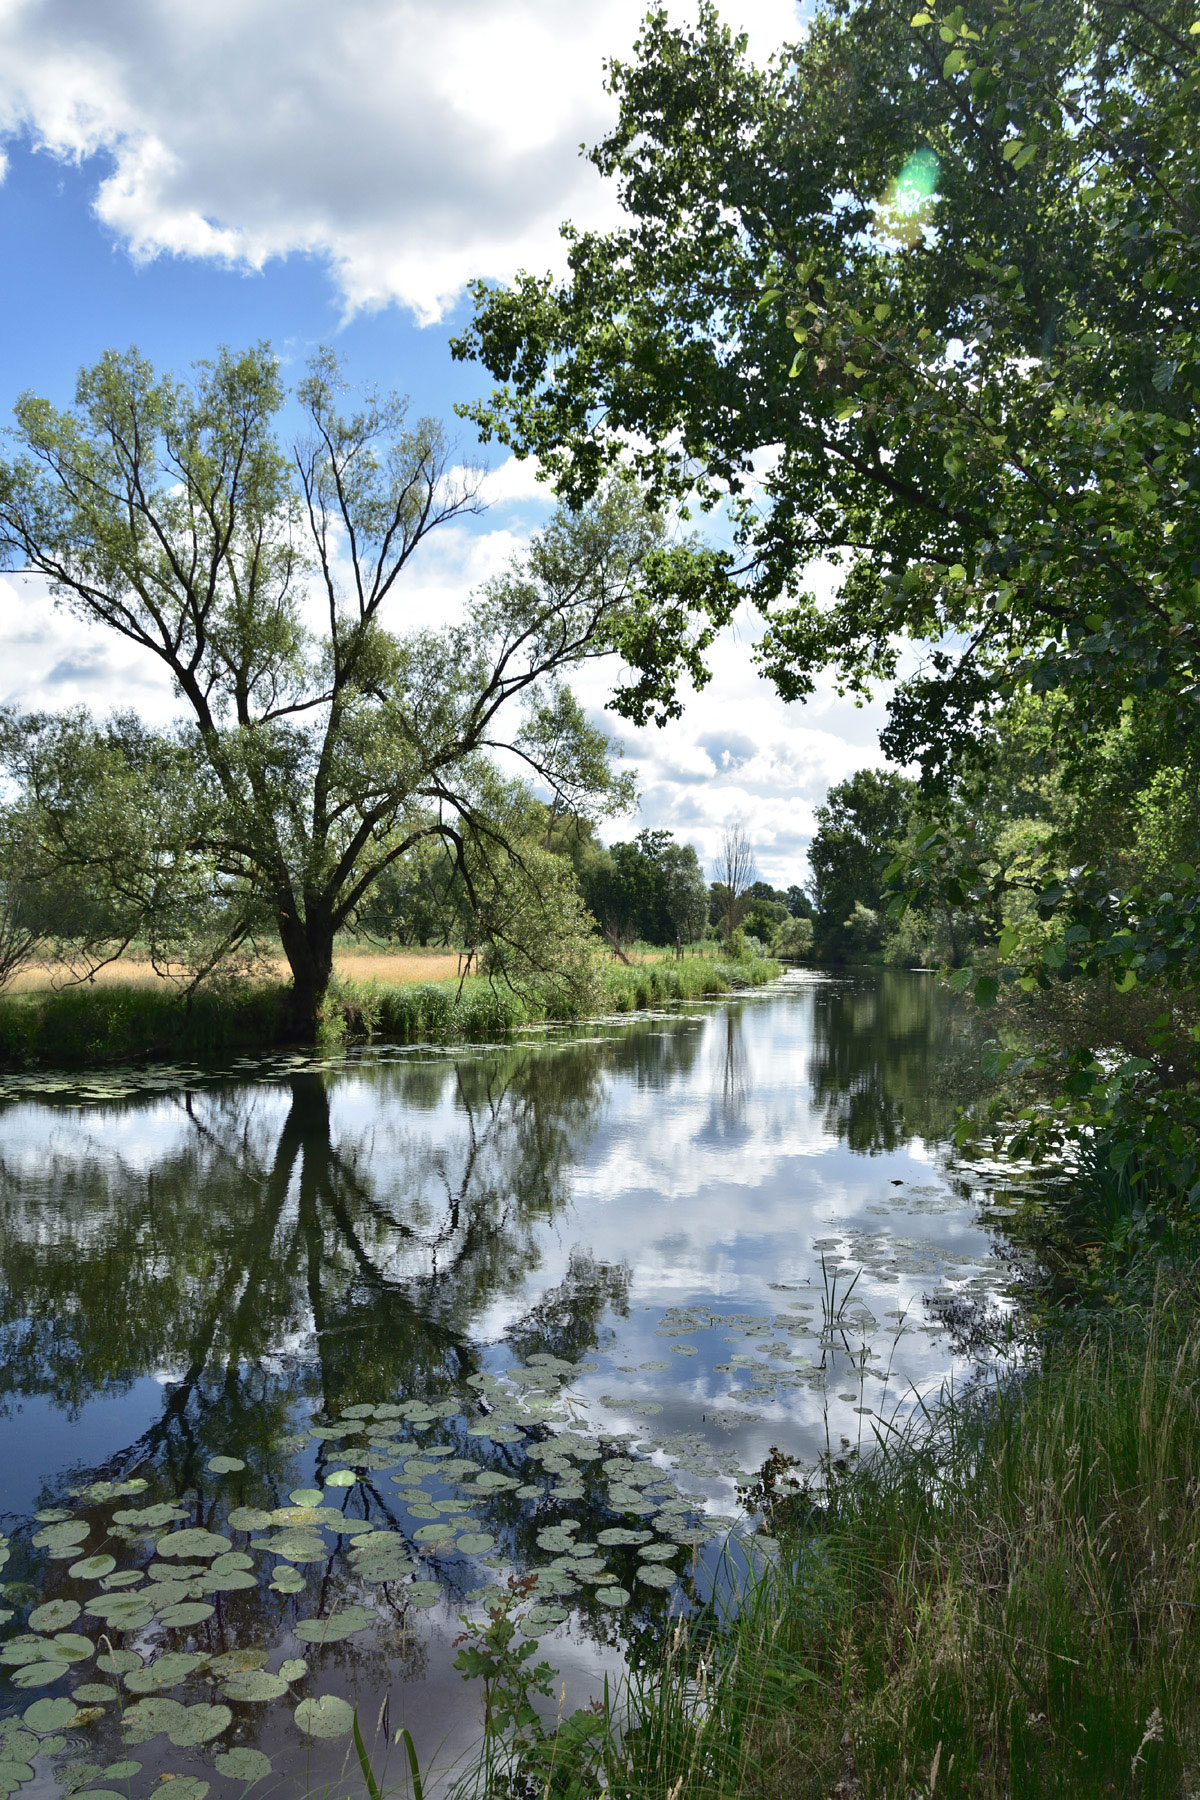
(1001, 1603)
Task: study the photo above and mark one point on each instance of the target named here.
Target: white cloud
(410, 144)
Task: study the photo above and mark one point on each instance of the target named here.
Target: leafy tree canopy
(919, 297)
(324, 737)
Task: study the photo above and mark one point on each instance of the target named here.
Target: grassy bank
(110, 1022)
(1001, 1604)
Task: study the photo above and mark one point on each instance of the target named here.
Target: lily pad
(475, 1543)
(56, 1537)
(433, 1534)
(200, 1725)
(119, 1662)
(122, 1612)
(423, 1594)
(95, 1693)
(91, 1568)
(287, 1580)
(249, 1518)
(613, 1596)
(188, 1612)
(623, 1534)
(164, 1672)
(244, 1764)
(341, 1478)
(149, 1518)
(300, 1547)
(338, 1625)
(72, 1646)
(305, 1496)
(253, 1684)
(326, 1716)
(39, 1674)
(294, 1669)
(225, 1465)
(50, 1715)
(194, 1542)
(188, 1787)
(654, 1575)
(235, 1662)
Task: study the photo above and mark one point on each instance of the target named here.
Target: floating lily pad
(121, 1771)
(244, 1764)
(188, 1787)
(164, 1672)
(326, 1716)
(433, 1534)
(475, 1543)
(623, 1534)
(122, 1612)
(339, 1625)
(91, 1568)
(253, 1684)
(200, 1725)
(13, 1774)
(96, 1793)
(249, 1518)
(225, 1465)
(119, 1662)
(305, 1496)
(232, 1662)
(300, 1548)
(194, 1542)
(188, 1612)
(50, 1715)
(341, 1478)
(294, 1669)
(71, 1646)
(654, 1575)
(95, 1693)
(124, 1578)
(149, 1518)
(423, 1594)
(660, 1552)
(612, 1596)
(39, 1674)
(71, 1531)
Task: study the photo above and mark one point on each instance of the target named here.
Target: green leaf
(953, 63)
(50, 1715)
(244, 1765)
(986, 989)
(199, 1725)
(326, 1716)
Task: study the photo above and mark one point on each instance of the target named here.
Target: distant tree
(799, 903)
(859, 828)
(685, 895)
(794, 938)
(316, 757)
(733, 872)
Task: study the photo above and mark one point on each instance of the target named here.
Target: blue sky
(185, 178)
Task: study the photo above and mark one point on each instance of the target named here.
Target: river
(300, 1358)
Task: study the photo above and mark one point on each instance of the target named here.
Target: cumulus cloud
(410, 145)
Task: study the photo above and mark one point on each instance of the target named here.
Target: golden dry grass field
(392, 966)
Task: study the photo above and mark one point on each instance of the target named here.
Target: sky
(185, 177)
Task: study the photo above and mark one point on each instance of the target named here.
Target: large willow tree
(328, 730)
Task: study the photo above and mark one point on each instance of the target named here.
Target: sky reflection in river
(190, 1264)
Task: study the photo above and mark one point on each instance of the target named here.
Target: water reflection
(198, 1267)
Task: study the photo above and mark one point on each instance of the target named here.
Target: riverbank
(111, 1022)
(1001, 1602)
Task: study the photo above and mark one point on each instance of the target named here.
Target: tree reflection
(893, 1055)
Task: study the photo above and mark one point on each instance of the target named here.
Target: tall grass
(1004, 1601)
(109, 1022)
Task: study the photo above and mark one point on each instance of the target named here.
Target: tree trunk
(308, 946)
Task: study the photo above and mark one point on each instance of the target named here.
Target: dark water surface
(585, 1279)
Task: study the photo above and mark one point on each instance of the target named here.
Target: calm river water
(300, 1359)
